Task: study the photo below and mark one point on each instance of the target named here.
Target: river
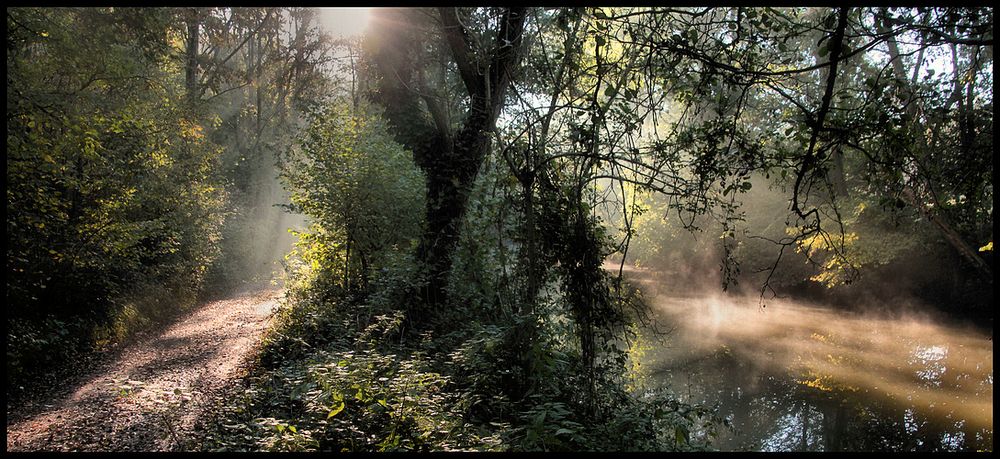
(798, 377)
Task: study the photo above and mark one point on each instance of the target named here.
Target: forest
(499, 229)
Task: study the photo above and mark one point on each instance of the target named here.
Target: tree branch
(457, 38)
(836, 46)
(507, 52)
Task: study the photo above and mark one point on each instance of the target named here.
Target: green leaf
(337, 408)
(681, 434)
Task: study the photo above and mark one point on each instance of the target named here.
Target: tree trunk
(909, 192)
(191, 67)
(450, 178)
(450, 163)
(950, 235)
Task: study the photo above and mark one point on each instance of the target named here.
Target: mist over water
(794, 376)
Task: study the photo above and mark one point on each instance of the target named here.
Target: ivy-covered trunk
(450, 176)
(449, 159)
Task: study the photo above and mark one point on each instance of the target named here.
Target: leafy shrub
(111, 183)
(359, 188)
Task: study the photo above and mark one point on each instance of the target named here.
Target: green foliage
(489, 226)
(136, 172)
(878, 244)
(340, 371)
(360, 190)
(335, 375)
(352, 389)
(111, 186)
(131, 187)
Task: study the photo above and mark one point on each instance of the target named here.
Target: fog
(901, 265)
(731, 351)
(897, 355)
(272, 239)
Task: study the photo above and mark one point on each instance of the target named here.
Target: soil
(149, 396)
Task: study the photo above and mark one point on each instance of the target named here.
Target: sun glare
(345, 22)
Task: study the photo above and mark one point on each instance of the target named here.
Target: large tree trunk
(450, 177)
(451, 162)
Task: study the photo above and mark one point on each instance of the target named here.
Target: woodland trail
(150, 396)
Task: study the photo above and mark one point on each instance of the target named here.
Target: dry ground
(149, 397)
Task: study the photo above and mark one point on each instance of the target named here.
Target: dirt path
(152, 394)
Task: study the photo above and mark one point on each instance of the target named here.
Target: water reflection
(794, 377)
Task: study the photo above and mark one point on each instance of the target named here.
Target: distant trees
(848, 108)
(260, 70)
(940, 164)
(868, 136)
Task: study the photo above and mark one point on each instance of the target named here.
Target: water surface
(798, 377)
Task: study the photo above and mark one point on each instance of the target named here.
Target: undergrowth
(339, 373)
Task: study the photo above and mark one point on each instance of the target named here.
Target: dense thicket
(141, 152)
(112, 189)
